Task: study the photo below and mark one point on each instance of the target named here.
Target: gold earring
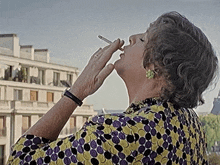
(150, 74)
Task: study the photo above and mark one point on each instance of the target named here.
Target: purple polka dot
(164, 137)
(142, 140)
(18, 153)
(101, 120)
(114, 133)
(56, 149)
(123, 124)
(152, 162)
(93, 144)
(170, 127)
(115, 140)
(102, 139)
(127, 119)
(37, 140)
(28, 143)
(121, 155)
(99, 132)
(99, 150)
(94, 119)
(80, 149)
(170, 155)
(147, 128)
(49, 152)
(141, 149)
(152, 124)
(169, 139)
(116, 124)
(93, 153)
(148, 144)
(123, 162)
(54, 157)
(157, 115)
(40, 161)
(121, 135)
(153, 132)
(28, 158)
(67, 160)
(137, 119)
(115, 159)
(81, 141)
(165, 145)
(75, 143)
(68, 152)
(73, 159)
(34, 147)
(145, 159)
(153, 155)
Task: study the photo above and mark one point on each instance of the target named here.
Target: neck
(141, 91)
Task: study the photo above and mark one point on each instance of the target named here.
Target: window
(2, 126)
(24, 74)
(85, 119)
(17, 94)
(70, 79)
(26, 123)
(50, 97)
(56, 78)
(2, 148)
(33, 95)
(41, 76)
(72, 122)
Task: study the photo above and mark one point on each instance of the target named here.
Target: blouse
(149, 132)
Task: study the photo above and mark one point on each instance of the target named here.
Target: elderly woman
(166, 69)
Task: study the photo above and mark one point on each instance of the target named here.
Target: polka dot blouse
(149, 132)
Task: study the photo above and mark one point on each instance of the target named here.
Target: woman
(166, 70)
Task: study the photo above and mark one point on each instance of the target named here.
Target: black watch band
(72, 97)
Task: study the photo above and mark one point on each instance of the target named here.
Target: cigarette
(106, 40)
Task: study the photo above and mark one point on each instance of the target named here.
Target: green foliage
(211, 126)
(214, 159)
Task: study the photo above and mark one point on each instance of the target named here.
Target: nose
(132, 39)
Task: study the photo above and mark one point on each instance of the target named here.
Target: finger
(104, 73)
(107, 52)
(97, 52)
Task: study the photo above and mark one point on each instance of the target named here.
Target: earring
(150, 74)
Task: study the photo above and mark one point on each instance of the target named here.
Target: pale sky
(69, 29)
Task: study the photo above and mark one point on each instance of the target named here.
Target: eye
(141, 40)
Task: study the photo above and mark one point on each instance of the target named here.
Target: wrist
(77, 93)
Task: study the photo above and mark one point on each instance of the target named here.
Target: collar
(144, 103)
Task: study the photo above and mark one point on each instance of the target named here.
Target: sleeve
(104, 139)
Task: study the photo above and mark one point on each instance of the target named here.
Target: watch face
(64, 91)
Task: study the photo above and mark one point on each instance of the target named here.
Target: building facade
(29, 86)
(216, 105)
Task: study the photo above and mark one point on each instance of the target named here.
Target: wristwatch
(67, 93)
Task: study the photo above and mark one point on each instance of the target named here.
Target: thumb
(105, 72)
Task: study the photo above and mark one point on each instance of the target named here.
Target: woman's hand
(96, 71)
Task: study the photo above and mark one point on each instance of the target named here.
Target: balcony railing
(67, 131)
(23, 130)
(3, 132)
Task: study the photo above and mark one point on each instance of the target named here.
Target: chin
(119, 67)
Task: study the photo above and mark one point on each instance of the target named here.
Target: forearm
(50, 125)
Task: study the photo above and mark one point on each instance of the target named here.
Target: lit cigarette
(104, 39)
(108, 41)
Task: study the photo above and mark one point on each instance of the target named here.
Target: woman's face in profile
(131, 61)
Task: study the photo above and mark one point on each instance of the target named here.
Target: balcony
(67, 131)
(3, 132)
(34, 107)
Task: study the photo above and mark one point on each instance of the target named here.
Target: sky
(69, 29)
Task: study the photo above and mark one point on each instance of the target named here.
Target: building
(216, 105)
(29, 86)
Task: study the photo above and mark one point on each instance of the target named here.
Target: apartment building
(29, 86)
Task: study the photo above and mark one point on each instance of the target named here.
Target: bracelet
(72, 97)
